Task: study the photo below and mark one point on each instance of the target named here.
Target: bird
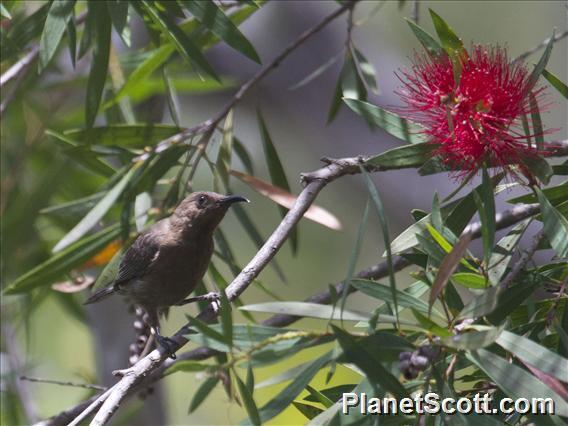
(165, 263)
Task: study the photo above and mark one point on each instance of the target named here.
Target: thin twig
(523, 260)
(526, 54)
(63, 383)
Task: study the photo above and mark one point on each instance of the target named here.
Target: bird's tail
(100, 294)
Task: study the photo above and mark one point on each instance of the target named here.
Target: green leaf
(72, 39)
(179, 39)
(208, 332)
(110, 271)
(413, 155)
(534, 354)
(475, 339)
(391, 123)
(352, 85)
(430, 43)
(355, 255)
(243, 155)
(281, 401)
(248, 401)
(515, 381)
(211, 16)
(81, 155)
(554, 194)
(335, 101)
(485, 201)
(4, 12)
(537, 128)
(276, 170)
(378, 203)
(244, 336)
(447, 267)
(307, 410)
(555, 225)
(469, 280)
(316, 73)
(142, 72)
(118, 11)
(99, 66)
(540, 66)
(539, 167)
(429, 325)
(60, 12)
(202, 392)
(96, 214)
(226, 150)
(319, 397)
(334, 393)
(124, 135)
(383, 292)
(312, 310)
(451, 43)
(63, 262)
(186, 366)
(503, 251)
(226, 317)
(367, 361)
(366, 71)
(556, 83)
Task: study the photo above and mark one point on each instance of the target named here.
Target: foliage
(110, 171)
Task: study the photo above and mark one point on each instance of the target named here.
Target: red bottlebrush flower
(477, 121)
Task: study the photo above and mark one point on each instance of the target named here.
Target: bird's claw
(170, 345)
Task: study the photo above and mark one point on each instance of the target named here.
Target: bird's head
(204, 210)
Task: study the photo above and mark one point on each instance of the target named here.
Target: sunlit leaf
(556, 83)
(430, 43)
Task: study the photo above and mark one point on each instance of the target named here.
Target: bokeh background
(54, 343)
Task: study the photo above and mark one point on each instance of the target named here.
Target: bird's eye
(201, 200)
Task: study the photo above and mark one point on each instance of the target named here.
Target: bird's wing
(138, 258)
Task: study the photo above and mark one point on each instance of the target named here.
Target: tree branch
(526, 54)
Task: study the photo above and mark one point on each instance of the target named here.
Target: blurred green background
(56, 344)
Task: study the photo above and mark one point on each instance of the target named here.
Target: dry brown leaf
(448, 266)
(285, 199)
(104, 256)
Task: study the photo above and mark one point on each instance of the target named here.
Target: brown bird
(164, 264)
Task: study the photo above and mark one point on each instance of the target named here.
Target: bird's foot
(209, 297)
(170, 345)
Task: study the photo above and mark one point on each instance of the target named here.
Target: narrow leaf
(555, 225)
(388, 121)
(501, 256)
(247, 399)
(96, 214)
(202, 392)
(99, 66)
(515, 381)
(556, 83)
(287, 200)
(447, 267)
(63, 262)
(537, 355)
(378, 203)
(276, 170)
(414, 155)
(211, 16)
(60, 12)
(430, 43)
(540, 66)
(485, 202)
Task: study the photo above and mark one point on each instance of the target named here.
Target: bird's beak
(230, 199)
